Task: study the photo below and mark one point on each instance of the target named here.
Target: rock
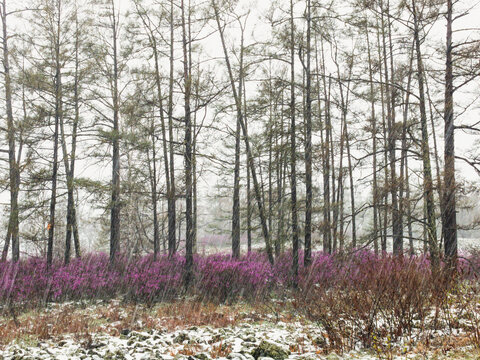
(193, 341)
(139, 349)
(236, 356)
(117, 355)
(180, 338)
(320, 341)
(125, 332)
(215, 338)
(139, 336)
(180, 357)
(333, 356)
(310, 356)
(249, 338)
(247, 356)
(202, 356)
(266, 349)
(164, 357)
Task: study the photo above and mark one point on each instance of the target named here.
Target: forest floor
(189, 330)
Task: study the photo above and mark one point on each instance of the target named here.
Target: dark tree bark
(236, 172)
(409, 208)
(153, 177)
(293, 149)
(325, 152)
(308, 148)
(427, 170)
(270, 136)
(58, 120)
(194, 134)
(385, 147)
(373, 121)
(72, 228)
(330, 233)
(171, 196)
(404, 185)
(449, 213)
(188, 276)
(344, 97)
(390, 101)
(115, 197)
(249, 190)
(251, 165)
(14, 173)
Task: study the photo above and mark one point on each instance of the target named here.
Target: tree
(110, 64)
(150, 30)
(14, 173)
(115, 204)
(79, 74)
(449, 219)
(293, 148)
(188, 156)
(251, 166)
(427, 171)
(236, 181)
(54, 13)
(308, 146)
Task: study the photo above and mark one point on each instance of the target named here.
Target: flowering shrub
(148, 279)
(221, 277)
(217, 277)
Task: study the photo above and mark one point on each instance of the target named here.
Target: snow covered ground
(249, 340)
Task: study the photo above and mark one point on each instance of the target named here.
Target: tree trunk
(293, 150)
(153, 184)
(270, 160)
(172, 246)
(188, 276)
(409, 208)
(331, 239)
(14, 174)
(373, 121)
(153, 44)
(58, 121)
(256, 186)
(449, 213)
(390, 100)
(308, 150)
(249, 194)
(385, 147)
(404, 186)
(115, 201)
(76, 99)
(236, 180)
(325, 139)
(345, 137)
(70, 166)
(427, 169)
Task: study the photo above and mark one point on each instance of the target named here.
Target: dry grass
(36, 325)
(220, 350)
(113, 318)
